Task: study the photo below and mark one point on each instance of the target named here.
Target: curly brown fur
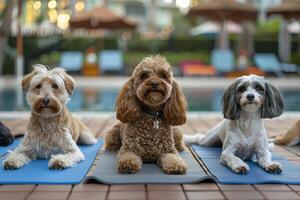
(152, 86)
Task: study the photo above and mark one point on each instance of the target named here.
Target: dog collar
(153, 113)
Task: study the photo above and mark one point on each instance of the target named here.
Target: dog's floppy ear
(26, 80)
(273, 105)
(231, 108)
(69, 83)
(175, 108)
(127, 105)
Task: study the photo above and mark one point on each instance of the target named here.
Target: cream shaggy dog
(52, 132)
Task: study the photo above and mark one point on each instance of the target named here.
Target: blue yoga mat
(4, 150)
(211, 158)
(37, 171)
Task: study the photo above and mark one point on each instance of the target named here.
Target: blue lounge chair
(71, 61)
(269, 63)
(111, 61)
(223, 61)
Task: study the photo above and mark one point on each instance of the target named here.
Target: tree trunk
(5, 30)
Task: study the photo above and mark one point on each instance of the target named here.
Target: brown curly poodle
(148, 105)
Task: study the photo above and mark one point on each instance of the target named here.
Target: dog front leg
(128, 162)
(233, 162)
(62, 161)
(68, 159)
(172, 163)
(15, 160)
(264, 157)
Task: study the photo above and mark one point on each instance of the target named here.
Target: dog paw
(172, 164)
(12, 164)
(274, 168)
(129, 166)
(129, 163)
(242, 169)
(176, 169)
(57, 164)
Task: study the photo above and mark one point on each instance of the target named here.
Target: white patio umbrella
(294, 27)
(209, 27)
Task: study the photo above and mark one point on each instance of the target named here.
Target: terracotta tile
(165, 187)
(87, 195)
(272, 187)
(295, 187)
(127, 188)
(48, 195)
(207, 195)
(236, 187)
(126, 195)
(90, 188)
(243, 195)
(281, 195)
(21, 188)
(200, 186)
(59, 188)
(166, 195)
(13, 195)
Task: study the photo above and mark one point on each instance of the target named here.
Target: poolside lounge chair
(223, 61)
(196, 68)
(111, 61)
(270, 64)
(71, 61)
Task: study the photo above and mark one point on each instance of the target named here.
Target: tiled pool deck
(197, 122)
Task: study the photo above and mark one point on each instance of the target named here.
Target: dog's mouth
(153, 91)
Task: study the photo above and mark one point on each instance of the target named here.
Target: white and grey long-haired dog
(242, 133)
(52, 132)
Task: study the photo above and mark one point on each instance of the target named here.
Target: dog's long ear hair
(273, 105)
(231, 108)
(175, 108)
(127, 105)
(26, 80)
(69, 83)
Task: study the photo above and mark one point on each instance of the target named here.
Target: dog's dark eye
(242, 89)
(38, 86)
(258, 88)
(144, 76)
(163, 76)
(55, 86)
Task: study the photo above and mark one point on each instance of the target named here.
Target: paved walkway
(196, 123)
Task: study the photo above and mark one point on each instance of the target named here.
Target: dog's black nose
(46, 101)
(250, 97)
(154, 84)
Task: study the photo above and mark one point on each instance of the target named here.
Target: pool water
(104, 99)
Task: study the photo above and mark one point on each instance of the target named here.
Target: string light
(52, 4)
(37, 5)
(63, 20)
(52, 15)
(79, 6)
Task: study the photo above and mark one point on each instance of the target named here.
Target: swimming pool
(103, 99)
